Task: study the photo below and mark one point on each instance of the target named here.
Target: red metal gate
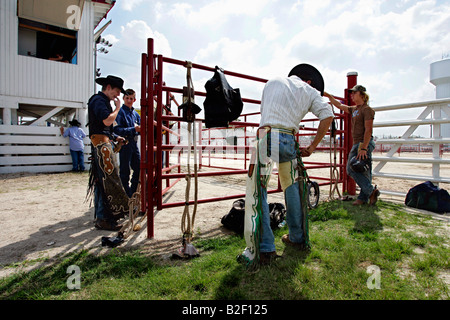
(155, 133)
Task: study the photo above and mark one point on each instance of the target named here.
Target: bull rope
(134, 204)
(187, 221)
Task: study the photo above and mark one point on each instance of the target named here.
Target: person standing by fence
(363, 144)
(129, 126)
(76, 144)
(110, 198)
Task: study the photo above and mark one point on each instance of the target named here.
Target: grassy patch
(410, 251)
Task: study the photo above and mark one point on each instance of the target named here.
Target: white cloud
(216, 13)
(233, 55)
(129, 5)
(312, 7)
(270, 28)
(135, 34)
(159, 10)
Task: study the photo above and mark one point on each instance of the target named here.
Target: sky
(389, 43)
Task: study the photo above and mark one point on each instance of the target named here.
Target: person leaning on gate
(110, 198)
(76, 144)
(129, 126)
(363, 144)
(285, 102)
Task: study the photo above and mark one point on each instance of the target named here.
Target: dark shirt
(99, 108)
(126, 120)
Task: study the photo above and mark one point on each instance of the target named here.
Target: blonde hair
(365, 97)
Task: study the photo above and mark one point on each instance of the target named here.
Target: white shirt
(286, 101)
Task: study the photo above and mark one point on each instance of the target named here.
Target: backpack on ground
(234, 219)
(429, 197)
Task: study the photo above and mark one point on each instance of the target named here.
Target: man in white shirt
(284, 104)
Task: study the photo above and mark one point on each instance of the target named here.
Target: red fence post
(147, 140)
(144, 108)
(349, 184)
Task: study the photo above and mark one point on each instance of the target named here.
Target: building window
(44, 41)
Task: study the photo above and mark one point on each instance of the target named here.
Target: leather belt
(96, 139)
(284, 130)
(262, 131)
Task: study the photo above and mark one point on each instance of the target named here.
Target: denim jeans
(77, 160)
(283, 151)
(98, 204)
(130, 158)
(363, 180)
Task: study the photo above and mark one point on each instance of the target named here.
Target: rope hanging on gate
(187, 221)
(334, 172)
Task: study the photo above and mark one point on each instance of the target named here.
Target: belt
(283, 130)
(267, 129)
(96, 139)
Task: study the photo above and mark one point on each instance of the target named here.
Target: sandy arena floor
(43, 215)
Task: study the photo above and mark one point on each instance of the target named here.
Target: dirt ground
(43, 215)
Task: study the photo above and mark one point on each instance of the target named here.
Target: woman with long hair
(359, 165)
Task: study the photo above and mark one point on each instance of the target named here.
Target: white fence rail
(435, 114)
(35, 149)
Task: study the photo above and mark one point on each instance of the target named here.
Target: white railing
(35, 149)
(435, 114)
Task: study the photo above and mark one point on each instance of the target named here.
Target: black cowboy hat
(360, 166)
(75, 123)
(114, 81)
(307, 72)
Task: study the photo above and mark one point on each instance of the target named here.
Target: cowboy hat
(114, 81)
(307, 72)
(75, 123)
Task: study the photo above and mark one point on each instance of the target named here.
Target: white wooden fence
(35, 149)
(435, 114)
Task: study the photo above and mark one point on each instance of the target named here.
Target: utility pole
(103, 44)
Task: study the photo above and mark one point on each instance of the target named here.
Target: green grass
(411, 251)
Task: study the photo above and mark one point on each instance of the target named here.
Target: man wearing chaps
(110, 198)
(284, 104)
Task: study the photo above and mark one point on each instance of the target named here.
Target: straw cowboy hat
(114, 81)
(307, 72)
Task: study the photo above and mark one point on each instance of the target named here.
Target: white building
(39, 94)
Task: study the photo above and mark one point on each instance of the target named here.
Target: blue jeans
(77, 160)
(363, 180)
(130, 158)
(294, 215)
(98, 204)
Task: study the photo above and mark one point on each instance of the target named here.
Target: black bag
(429, 197)
(234, 220)
(277, 215)
(223, 104)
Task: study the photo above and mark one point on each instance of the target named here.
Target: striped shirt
(286, 101)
